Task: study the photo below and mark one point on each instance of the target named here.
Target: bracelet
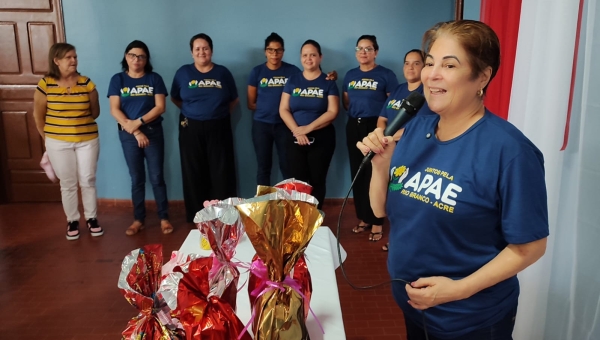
(135, 134)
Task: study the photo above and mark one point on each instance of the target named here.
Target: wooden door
(27, 30)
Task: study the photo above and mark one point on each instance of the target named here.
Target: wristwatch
(142, 120)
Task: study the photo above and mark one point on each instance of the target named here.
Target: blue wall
(101, 29)
(472, 9)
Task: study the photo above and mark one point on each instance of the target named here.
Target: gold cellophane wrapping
(280, 231)
(299, 274)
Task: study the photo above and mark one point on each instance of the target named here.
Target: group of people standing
(293, 111)
(463, 189)
(285, 99)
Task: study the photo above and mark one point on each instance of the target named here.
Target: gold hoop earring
(480, 93)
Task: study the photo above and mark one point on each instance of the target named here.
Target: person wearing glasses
(137, 102)
(265, 86)
(206, 94)
(309, 104)
(65, 108)
(366, 88)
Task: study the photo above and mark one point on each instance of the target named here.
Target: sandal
(134, 228)
(374, 237)
(360, 228)
(385, 247)
(166, 227)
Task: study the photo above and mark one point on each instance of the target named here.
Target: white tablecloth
(322, 260)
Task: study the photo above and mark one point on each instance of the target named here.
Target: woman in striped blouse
(65, 108)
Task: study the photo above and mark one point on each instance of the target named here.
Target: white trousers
(72, 163)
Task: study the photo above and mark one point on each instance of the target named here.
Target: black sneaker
(94, 228)
(72, 230)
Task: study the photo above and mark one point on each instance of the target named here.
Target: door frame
(4, 173)
(5, 180)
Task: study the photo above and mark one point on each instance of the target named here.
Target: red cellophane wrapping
(139, 282)
(203, 316)
(294, 184)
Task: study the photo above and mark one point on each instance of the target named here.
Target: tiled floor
(51, 288)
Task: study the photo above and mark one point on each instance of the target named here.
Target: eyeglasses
(135, 56)
(274, 50)
(366, 49)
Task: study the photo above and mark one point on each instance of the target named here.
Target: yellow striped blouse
(68, 115)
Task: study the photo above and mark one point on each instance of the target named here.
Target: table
(322, 260)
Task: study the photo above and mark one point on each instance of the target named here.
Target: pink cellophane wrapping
(220, 224)
(177, 258)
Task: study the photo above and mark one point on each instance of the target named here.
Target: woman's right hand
(302, 140)
(142, 140)
(131, 125)
(382, 146)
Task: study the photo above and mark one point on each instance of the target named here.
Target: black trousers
(356, 130)
(310, 163)
(207, 162)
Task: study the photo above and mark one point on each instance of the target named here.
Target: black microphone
(408, 110)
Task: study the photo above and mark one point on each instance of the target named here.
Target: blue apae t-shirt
(204, 96)
(269, 85)
(454, 205)
(392, 105)
(367, 91)
(309, 98)
(137, 94)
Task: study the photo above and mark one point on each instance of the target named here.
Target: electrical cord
(339, 224)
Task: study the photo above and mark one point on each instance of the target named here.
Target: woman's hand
(131, 125)
(302, 130)
(428, 292)
(302, 140)
(141, 139)
(332, 75)
(382, 146)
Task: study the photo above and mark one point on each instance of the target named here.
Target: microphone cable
(339, 224)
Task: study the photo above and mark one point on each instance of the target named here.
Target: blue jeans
(501, 330)
(263, 136)
(154, 155)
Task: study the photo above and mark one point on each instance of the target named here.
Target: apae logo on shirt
(436, 187)
(277, 81)
(309, 92)
(204, 83)
(394, 104)
(363, 84)
(139, 90)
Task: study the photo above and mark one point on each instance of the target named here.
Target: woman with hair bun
(366, 88)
